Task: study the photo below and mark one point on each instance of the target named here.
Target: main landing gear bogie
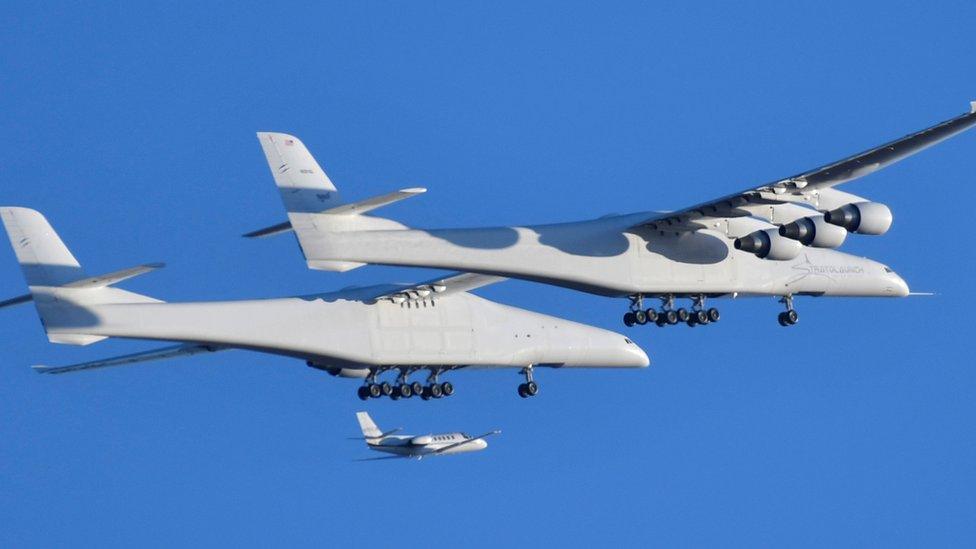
(404, 389)
(698, 315)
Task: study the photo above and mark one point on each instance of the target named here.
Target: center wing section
(441, 287)
(809, 190)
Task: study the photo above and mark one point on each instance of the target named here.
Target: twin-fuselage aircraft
(777, 239)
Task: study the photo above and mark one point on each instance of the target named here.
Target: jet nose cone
(898, 286)
(621, 352)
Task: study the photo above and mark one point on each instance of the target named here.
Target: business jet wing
(812, 188)
(444, 286)
(468, 441)
(382, 457)
(172, 351)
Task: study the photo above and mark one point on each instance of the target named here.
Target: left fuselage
(426, 445)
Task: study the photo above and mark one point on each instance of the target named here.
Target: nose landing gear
(530, 387)
(789, 317)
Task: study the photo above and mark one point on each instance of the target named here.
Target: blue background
(131, 126)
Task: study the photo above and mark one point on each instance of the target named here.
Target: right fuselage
(613, 256)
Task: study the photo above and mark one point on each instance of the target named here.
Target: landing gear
(788, 317)
(699, 315)
(363, 392)
(530, 387)
(402, 388)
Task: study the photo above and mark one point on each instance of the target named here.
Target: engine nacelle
(861, 217)
(422, 440)
(814, 231)
(768, 244)
(359, 373)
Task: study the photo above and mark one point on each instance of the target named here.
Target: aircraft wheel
(406, 391)
(521, 391)
(651, 315)
(363, 392)
(395, 395)
(640, 317)
(792, 317)
(386, 388)
(374, 390)
(783, 319)
(447, 388)
(531, 388)
(683, 315)
(629, 319)
(661, 320)
(425, 394)
(671, 317)
(701, 317)
(435, 390)
(692, 322)
(417, 388)
(713, 315)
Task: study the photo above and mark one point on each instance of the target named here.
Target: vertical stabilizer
(370, 430)
(43, 257)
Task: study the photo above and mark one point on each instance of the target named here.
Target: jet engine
(814, 231)
(421, 440)
(861, 217)
(359, 373)
(768, 244)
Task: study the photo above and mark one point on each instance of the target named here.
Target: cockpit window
(629, 342)
(887, 269)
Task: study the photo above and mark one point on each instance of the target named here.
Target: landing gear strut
(638, 314)
(530, 387)
(788, 317)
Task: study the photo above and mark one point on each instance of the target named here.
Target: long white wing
(135, 358)
(462, 443)
(809, 187)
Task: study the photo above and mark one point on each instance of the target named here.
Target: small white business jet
(419, 446)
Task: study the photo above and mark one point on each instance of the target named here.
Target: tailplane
(315, 208)
(61, 290)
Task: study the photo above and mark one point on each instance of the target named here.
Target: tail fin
(59, 287)
(369, 429)
(315, 209)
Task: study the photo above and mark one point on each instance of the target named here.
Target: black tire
(521, 391)
(782, 319)
(692, 322)
(531, 388)
(701, 317)
(661, 321)
(447, 389)
(683, 315)
(363, 392)
(671, 317)
(418, 388)
(713, 315)
(640, 317)
(395, 395)
(651, 315)
(425, 394)
(435, 390)
(792, 317)
(629, 319)
(405, 390)
(386, 388)
(375, 391)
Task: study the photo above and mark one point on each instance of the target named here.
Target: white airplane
(435, 326)
(411, 446)
(776, 239)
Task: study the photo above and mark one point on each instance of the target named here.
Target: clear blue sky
(131, 127)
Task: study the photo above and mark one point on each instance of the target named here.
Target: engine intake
(768, 244)
(814, 231)
(861, 217)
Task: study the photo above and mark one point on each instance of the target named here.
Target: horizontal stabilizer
(270, 231)
(16, 300)
(352, 208)
(135, 358)
(115, 277)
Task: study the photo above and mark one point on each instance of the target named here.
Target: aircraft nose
(621, 352)
(897, 285)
